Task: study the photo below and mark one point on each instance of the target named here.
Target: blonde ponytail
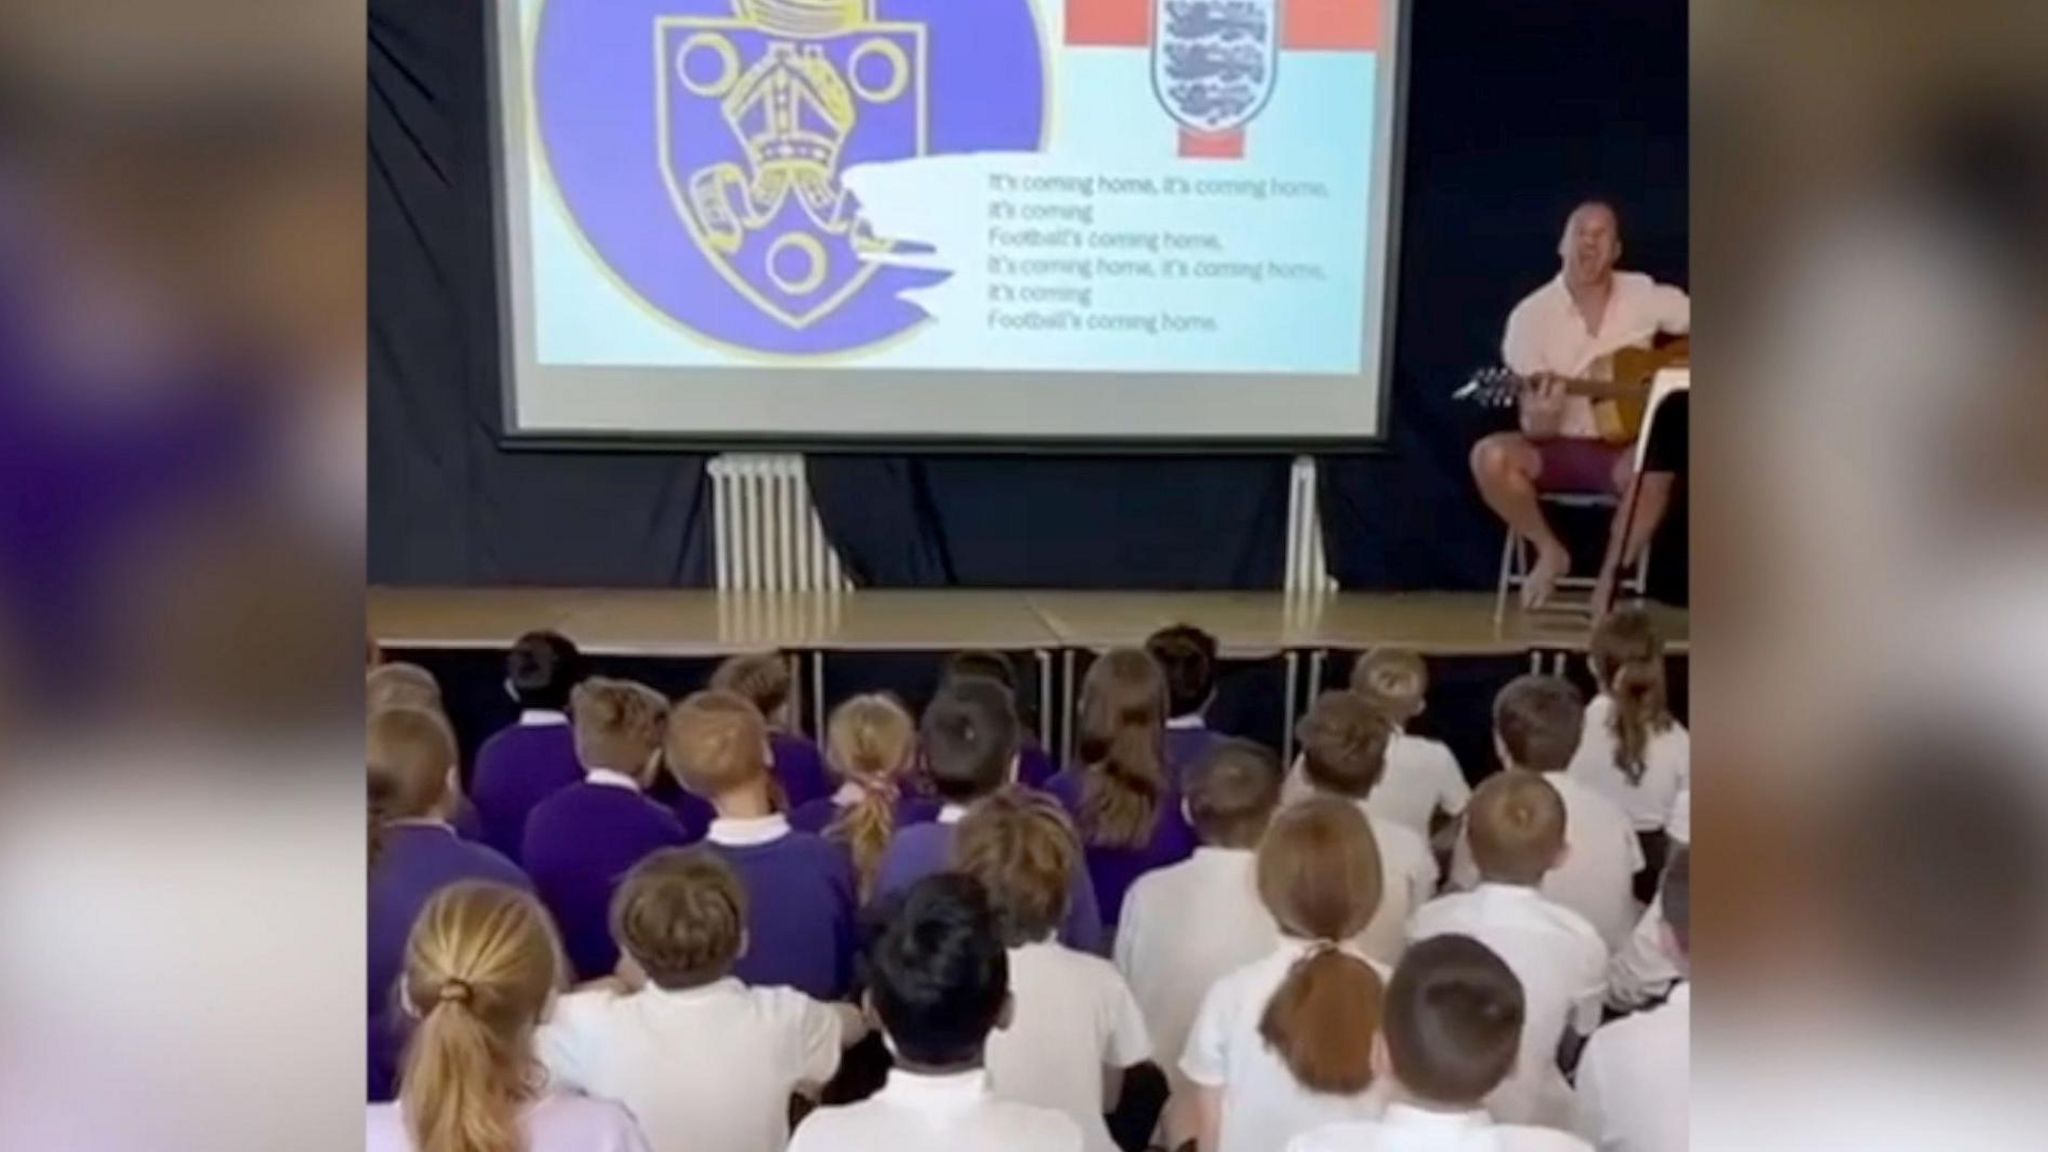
(479, 968)
(870, 743)
(1319, 874)
(1122, 749)
(1628, 660)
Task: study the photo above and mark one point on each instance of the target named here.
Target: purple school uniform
(1185, 748)
(580, 843)
(694, 811)
(817, 816)
(1034, 766)
(924, 849)
(516, 769)
(1114, 870)
(800, 768)
(417, 861)
(801, 903)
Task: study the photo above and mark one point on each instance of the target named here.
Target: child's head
(1516, 825)
(619, 726)
(869, 742)
(1344, 744)
(717, 745)
(480, 966)
(680, 917)
(411, 755)
(400, 685)
(970, 734)
(985, 663)
(1232, 792)
(1187, 656)
(1453, 1022)
(1021, 848)
(1319, 875)
(1122, 748)
(938, 975)
(1675, 893)
(1392, 680)
(1537, 722)
(1628, 660)
(762, 679)
(542, 669)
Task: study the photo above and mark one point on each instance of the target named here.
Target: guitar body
(1619, 417)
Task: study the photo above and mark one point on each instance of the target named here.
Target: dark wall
(1515, 111)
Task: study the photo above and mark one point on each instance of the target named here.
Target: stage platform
(1057, 629)
(692, 622)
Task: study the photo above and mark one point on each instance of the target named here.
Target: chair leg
(1510, 554)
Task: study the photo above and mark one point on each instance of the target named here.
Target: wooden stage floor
(697, 623)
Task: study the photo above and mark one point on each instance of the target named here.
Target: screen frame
(1390, 161)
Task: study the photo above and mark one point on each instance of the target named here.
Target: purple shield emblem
(755, 127)
(698, 149)
(1214, 61)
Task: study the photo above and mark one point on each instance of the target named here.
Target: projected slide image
(1125, 187)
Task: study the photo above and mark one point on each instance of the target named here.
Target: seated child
(1344, 743)
(479, 971)
(1034, 766)
(1171, 957)
(414, 853)
(1121, 793)
(1423, 787)
(581, 841)
(535, 758)
(1635, 1075)
(801, 888)
(1187, 656)
(764, 681)
(1450, 1034)
(707, 1063)
(870, 744)
(1516, 826)
(969, 735)
(1076, 1028)
(1633, 751)
(939, 985)
(1537, 721)
(1284, 1044)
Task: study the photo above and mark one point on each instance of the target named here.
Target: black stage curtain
(448, 504)
(1515, 111)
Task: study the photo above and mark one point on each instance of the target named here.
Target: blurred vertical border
(1870, 595)
(181, 524)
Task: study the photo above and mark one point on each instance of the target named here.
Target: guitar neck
(1593, 389)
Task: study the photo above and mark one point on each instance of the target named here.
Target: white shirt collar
(1409, 1118)
(541, 717)
(945, 1092)
(741, 833)
(610, 779)
(1508, 891)
(952, 813)
(724, 986)
(1191, 722)
(1218, 852)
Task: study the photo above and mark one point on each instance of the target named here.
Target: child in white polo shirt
(1344, 742)
(705, 1062)
(939, 983)
(1187, 926)
(1450, 1035)
(1516, 825)
(1537, 725)
(1634, 751)
(1077, 1029)
(1635, 1075)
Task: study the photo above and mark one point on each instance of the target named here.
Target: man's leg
(1625, 543)
(1505, 466)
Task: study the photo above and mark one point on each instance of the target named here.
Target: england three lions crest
(1214, 61)
(760, 113)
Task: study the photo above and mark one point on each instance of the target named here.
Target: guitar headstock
(1493, 387)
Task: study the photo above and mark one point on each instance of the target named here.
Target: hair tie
(454, 992)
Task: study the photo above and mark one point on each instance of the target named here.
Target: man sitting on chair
(1566, 329)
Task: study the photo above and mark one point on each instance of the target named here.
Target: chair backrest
(1662, 387)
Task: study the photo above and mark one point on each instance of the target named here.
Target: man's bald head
(1591, 243)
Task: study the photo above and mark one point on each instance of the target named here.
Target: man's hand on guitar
(1543, 404)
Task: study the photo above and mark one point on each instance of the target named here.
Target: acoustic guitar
(1619, 400)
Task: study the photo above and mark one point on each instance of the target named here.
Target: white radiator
(769, 538)
(1307, 570)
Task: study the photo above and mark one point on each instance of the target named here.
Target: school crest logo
(710, 184)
